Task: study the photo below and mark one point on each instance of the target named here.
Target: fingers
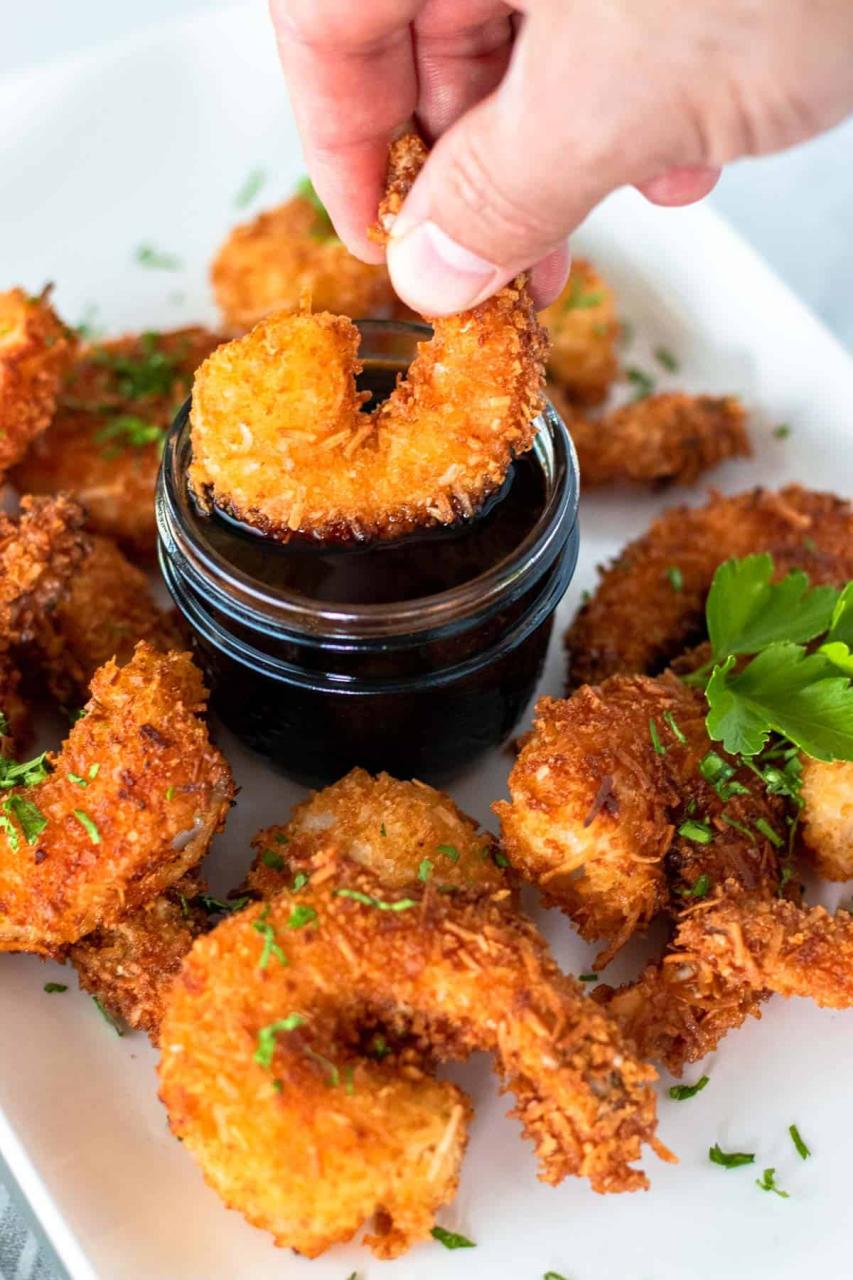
(350, 69)
(548, 276)
(461, 55)
(680, 186)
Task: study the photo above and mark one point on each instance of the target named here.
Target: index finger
(351, 73)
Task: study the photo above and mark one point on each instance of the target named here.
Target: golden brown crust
(311, 1160)
(670, 438)
(406, 157)
(154, 791)
(638, 620)
(583, 330)
(141, 379)
(36, 349)
(40, 549)
(826, 826)
(288, 254)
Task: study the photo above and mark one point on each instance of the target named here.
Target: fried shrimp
(104, 443)
(105, 611)
(280, 441)
(125, 808)
(610, 815)
(272, 262)
(665, 439)
(827, 824)
(583, 329)
(650, 604)
(36, 348)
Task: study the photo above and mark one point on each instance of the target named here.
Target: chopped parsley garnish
(127, 431)
(579, 299)
(8, 827)
(729, 1159)
(681, 1092)
(553, 1275)
(449, 850)
(147, 256)
(88, 825)
(27, 774)
(273, 860)
(643, 383)
(767, 1182)
(299, 882)
(626, 333)
(108, 1017)
(75, 777)
(51, 987)
(802, 1150)
(425, 869)
(29, 815)
(500, 859)
(217, 906)
(671, 721)
(333, 1075)
(666, 359)
(250, 188)
(323, 228)
(281, 838)
(587, 977)
(782, 431)
(697, 830)
(271, 948)
(87, 329)
(349, 1082)
(379, 1047)
(94, 770)
(675, 578)
(367, 900)
(170, 793)
(150, 373)
(700, 886)
(265, 1051)
(718, 772)
(738, 826)
(300, 916)
(451, 1239)
(762, 825)
(382, 830)
(659, 748)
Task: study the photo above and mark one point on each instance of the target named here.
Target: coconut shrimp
(583, 329)
(36, 349)
(103, 446)
(125, 808)
(670, 438)
(650, 603)
(271, 263)
(280, 440)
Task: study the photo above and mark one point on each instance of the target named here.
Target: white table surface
(796, 208)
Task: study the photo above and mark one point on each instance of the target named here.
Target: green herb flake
(94, 770)
(367, 900)
(643, 383)
(88, 825)
(379, 1047)
(553, 1275)
(451, 1239)
(659, 748)
(673, 725)
(382, 830)
(273, 860)
(738, 826)
(108, 1017)
(697, 830)
(27, 774)
(128, 431)
(802, 1150)
(349, 1081)
(170, 793)
(675, 578)
(580, 299)
(782, 431)
(767, 1182)
(147, 256)
(729, 1159)
(299, 882)
(666, 359)
(681, 1092)
(425, 870)
(762, 825)
(449, 850)
(51, 987)
(250, 188)
(587, 977)
(265, 1050)
(323, 228)
(220, 906)
(270, 948)
(500, 859)
(700, 887)
(75, 778)
(333, 1075)
(300, 916)
(8, 827)
(29, 815)
(626, 333)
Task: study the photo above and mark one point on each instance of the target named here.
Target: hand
(540, 108)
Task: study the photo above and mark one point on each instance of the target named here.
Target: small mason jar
(418, 686)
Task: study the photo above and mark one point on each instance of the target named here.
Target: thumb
(506, 184)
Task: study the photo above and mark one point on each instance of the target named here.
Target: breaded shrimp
(397, 830)
(267, 1085)
(132, 801)
(280, 442)
(827, 824)
(106, 609)
(272, 262)
(583, 329)
(610, 816)
(643, 615)
(130, 966)
(40, 549)
(36, 349)
(664, 439)
(104, 444)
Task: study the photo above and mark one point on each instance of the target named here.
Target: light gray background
(796, 208)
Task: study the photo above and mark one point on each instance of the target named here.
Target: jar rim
(181, 530)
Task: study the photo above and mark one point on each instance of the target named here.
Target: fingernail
(434, 274)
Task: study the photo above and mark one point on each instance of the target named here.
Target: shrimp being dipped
(36, 349)
(280, 441)
(316, 1016)
(125, 808)
(114, 407)
(583, 329)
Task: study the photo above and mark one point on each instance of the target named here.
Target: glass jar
(418, 686)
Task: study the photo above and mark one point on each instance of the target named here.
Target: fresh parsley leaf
(746, 612)
(841, 622)
(270, 948)
(29, 815)
(451, 1239)
(300, 916)
(675, 728)
(273, 860)
(767, 1182)
(784, 689)
(697, 830)
(839, 655)
(802, 1150)
(681, 1092)
(729, 1159)
(265, 1051)
(701, 885)
(27, 774)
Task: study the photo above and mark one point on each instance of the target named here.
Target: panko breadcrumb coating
(603, 798)
(280, 440)
(36, 349)
(106, 609)
(826, 827)
(670, 438)
(104, 443)
(133, 799)
(130, 966)
(583, 329)
(272, 263)
(641, 617)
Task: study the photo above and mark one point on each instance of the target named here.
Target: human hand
(538, 109)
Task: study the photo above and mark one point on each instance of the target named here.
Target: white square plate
(148, 143)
